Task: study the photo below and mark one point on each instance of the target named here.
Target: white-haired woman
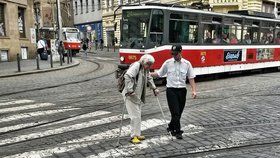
(136, 79)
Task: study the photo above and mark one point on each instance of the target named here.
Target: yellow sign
(202, 53)
(132, 57)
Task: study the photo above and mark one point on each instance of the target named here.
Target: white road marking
(88, 115)
(103, 58)
(25, 107)
(67, 128)
(16, 102)
(33, 114)
(93, 139)
(19, 126)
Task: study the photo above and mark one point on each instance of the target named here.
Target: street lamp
(37, 17)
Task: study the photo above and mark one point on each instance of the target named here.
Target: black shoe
(179, 136)
(171, 131)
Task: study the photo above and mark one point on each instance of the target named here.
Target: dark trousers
(176, 98)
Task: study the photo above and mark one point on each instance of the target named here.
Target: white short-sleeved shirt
(41, 44)
(177, 72)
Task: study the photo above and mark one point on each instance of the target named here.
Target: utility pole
(59, 21)
(275, 9)
(37, 18)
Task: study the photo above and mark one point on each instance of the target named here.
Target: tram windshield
(72, 36)
(135, 28)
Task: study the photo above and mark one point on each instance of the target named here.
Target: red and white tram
(212, 42)
(71, 39)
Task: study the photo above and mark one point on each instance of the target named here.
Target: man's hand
(154, 74)
(130, 94)
(193, 95)
(156, 92)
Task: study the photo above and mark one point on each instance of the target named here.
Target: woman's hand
(156, 92)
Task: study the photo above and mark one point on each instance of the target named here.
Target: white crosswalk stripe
(73, 123)
(26, 107)
(83, 142)
(16, 102)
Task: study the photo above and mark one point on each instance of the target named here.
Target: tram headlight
(121, 58)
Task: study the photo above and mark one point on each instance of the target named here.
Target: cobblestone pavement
(30, 66)
(76, 113)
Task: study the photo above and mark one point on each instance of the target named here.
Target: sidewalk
(9, 69)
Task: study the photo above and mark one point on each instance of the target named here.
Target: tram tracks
(105, 106)
(62, 84)
(119, 102)
(112, 104)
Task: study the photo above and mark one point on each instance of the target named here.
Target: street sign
(33, 35)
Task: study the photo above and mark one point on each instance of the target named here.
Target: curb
(40, 71)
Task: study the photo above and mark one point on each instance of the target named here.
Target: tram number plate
(132, 57)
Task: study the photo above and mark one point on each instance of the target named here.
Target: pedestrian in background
(136, 79)
(85, 47)
(41, 46)
(177, 70)
(101, 44)
(61, 51)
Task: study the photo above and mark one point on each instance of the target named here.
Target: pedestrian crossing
(21, 114)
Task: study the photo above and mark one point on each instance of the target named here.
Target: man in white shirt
(177, 70)
(41, 46)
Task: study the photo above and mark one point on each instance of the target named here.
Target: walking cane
(163, 116)
(118, 143)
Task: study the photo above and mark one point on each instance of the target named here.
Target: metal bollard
(71, 56)
(37, 62)
(18, 63)
(67, 56)
(60, 59)
(51, 60)
(107, 48)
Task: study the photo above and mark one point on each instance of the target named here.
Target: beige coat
(139, 87)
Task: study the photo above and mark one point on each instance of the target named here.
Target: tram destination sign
(232, 55)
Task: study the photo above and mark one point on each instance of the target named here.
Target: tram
(71, 39)
(212, 42)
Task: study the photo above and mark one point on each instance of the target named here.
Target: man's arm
(193, 86)
(161, 72)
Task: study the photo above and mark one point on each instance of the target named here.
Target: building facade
(16, 30)
(88, 18)
(47, 16)
(267, 6)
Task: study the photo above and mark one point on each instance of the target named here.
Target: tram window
(135, 28)
(183, 31)
(156, 31)
(266, 36)
(277, 32)
(233, 33)
(176, 16)
(252, 33)
(212, 33)
(157, 21)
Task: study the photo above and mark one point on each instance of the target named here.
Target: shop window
(4, 55)
(21, 23)
(81, 2)
(99, 4)
(76, 8)
(92, 5)
(2, 20)
(86, 6)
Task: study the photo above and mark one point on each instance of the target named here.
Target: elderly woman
(136, 79)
